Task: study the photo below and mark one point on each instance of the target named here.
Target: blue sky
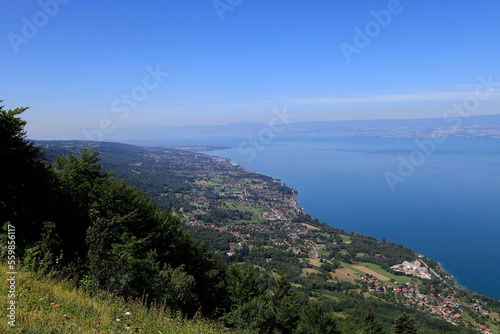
(75, 62)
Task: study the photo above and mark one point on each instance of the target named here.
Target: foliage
(370, 324)
(214, 240)
(101, 228)
(257, 311)
(404, 324)
(315, 321)
(26, 183)
(54, 304)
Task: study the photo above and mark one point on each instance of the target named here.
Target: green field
(257, 211)
(376, 268)
(323, 252)
(345, 238)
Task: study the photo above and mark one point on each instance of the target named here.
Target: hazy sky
(84, 64)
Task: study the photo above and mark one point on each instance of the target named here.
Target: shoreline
(456, 281)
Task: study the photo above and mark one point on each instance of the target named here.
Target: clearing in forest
(307, 271)
(310, 226)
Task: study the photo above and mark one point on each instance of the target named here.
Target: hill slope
(54, 304)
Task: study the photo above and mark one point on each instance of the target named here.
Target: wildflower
(128, 313)
(117, 319)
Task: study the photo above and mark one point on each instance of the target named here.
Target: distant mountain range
(468, 127)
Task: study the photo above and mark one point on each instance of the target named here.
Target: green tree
(177, 287)
(370, 324)
(285, 305)
(242, 284)
(82, 183)
(272, 311)
(314, 321)
(27, 186)
(404, 324)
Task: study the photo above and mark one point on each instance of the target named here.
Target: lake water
(448, 206)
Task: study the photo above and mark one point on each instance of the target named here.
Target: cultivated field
(380, 277)
(379, 271)
(310, 227)
(315, 262)
(343, 275)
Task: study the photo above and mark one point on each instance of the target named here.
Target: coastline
(455, 280)
(233, 155)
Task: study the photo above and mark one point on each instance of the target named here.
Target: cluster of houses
(451, 312)
(301, 249)
(410, 291)
(273, 215)
(240, 236)
(439, 306)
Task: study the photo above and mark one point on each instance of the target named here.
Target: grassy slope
(54, 305)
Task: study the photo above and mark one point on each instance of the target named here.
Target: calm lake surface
(447, 208)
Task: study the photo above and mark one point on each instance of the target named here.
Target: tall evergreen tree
(314, 321)
(27, 186)
(82, 183)
(404, 324)
(370, 324)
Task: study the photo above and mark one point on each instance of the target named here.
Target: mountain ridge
(473, 126)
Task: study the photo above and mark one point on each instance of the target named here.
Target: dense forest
(72, 216)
